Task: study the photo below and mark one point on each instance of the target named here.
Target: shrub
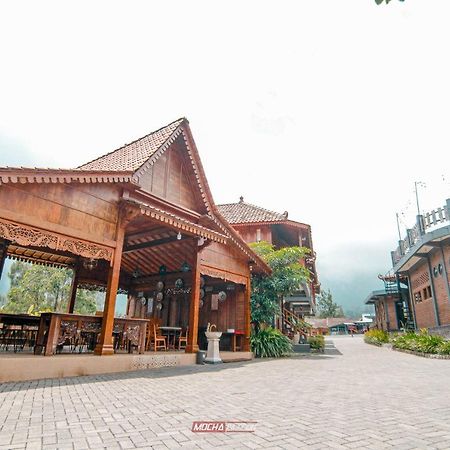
(422, 343)
(316, 342)
(270, 343)
(376, 337)
(444, 348)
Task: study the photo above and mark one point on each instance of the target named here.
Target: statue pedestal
(212, 355)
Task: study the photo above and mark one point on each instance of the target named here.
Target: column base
(105, 349)
(191, 349)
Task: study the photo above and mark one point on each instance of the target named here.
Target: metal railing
(424, 222)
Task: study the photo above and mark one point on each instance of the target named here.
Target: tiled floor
(357, 396)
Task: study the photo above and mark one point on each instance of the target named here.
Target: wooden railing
(296, 323)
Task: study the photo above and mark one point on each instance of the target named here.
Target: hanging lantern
(159, 286)
(222, 296)
(159, 306)
(162, 270)
(200, 304)
(90, 264)
(159, 296)
(179, 283)
(185, 267)
(136, 273)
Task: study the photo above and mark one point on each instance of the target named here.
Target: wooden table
(169, 330)
(234, 339)
(18, 330)
(19, 319)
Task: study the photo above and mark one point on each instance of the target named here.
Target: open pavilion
(140, 220)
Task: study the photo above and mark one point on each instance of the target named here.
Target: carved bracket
(32, 237)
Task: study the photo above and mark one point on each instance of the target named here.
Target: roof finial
(241, 199)
(285, 214)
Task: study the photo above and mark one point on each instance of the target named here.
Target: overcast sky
(327, 109)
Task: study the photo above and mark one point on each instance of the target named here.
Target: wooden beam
(155, 243)
(148, 232)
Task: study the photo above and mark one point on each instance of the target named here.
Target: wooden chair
(153, 338)
(183, 339)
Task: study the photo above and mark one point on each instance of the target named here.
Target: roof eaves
(24, 175)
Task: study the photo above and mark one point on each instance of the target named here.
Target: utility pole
(416, 184)
(398, 228)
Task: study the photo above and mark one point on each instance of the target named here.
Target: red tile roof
(134, 155)
(243, 212)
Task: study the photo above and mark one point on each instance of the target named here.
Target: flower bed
(422, 342)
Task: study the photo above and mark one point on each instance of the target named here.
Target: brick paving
(358, 396)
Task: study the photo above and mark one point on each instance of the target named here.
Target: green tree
(287, 276)
(326, 306)
(36, 288)
(379, 2)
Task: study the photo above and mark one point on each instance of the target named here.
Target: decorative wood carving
(32, 237)
(222, 275)
(85, 249)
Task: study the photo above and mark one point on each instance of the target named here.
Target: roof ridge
(263, 209)
(180, 120)
(254, 206)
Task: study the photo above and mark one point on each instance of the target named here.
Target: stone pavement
(358, 396)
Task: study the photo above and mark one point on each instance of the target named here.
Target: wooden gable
(171, 176)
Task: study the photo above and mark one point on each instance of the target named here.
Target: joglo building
(140, 220)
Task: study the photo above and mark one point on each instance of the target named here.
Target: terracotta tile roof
(132, 156)
(246, 213)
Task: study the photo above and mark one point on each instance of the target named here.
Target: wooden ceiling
(149, 247)
(39, 256)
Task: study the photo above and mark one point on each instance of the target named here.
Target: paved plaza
(356, 396)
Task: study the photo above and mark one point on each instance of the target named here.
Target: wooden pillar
(3, 254)
(247, 317)
(194, 310)
(53, 334)
(73, 291)
(105, 344)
